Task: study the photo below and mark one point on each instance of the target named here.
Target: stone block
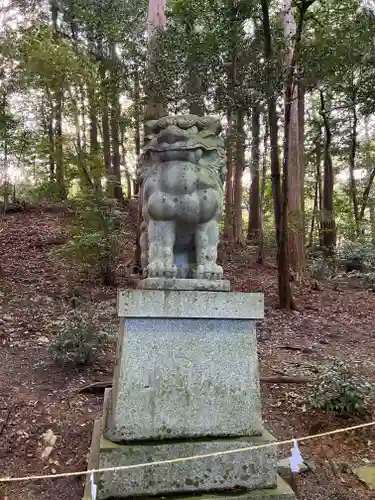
(251, 469)
(184, 284)
(282, 491)
(185, 377)
(190, 304)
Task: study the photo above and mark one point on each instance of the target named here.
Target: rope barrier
(185, 459)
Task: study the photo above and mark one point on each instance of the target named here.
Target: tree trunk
(285, 293)
(372, 222)
(51, 147)
(228, 218)
(238, 174)
(317, 190)
(125, 163)
(253, 229)
(352, 157)
(137, 135)
(106, 138)
(58, 94)
(260, 258)
(95, 159)
(296, 232)
(59, 153)
(328, 221)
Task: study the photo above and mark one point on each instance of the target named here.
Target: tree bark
(58, 95)
(228, 217)
(317, 190)
(51, 146)
(296, 232)
(137, 134)
(352, 158)
(280, 207)
(95, 160)
(328, 221)
(260, 258)
(106, 138)
(253, 229)
(238, 174)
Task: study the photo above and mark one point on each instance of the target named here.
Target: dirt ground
(37, 396)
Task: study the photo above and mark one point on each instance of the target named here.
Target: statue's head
(184, 138)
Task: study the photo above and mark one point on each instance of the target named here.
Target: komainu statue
(182, 172)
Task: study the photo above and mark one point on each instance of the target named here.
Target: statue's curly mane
(196, 133)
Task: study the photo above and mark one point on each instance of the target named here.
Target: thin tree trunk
(51, 146)
(315, 216)
(253, 229)
(125, 163)
(260, 258)
(238, 174)
(320, 189)
(228, 220)
(106, 138)
(137, 134)
(352, 158)
(372, 222)
(5, 164)
(59, 153)
(328, 221)
(95, 159)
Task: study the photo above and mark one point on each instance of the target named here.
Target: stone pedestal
(186, 383)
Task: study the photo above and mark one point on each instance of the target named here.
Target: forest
(290, 81)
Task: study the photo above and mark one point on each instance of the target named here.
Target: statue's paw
(155, 269)
(170, 271)
(209, 272)
(158, 269)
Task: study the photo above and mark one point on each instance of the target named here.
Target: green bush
(79, 341)
(320, 267)
(337, 390)
(95, 236)
(357, 255)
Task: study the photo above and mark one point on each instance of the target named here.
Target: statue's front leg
(206, 241)
(161, 240)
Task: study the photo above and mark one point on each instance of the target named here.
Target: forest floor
(37, 396)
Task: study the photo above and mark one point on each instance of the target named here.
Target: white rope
(185, 459)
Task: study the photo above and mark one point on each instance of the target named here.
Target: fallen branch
(99, 387)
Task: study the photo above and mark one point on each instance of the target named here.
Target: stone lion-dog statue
(182, 171)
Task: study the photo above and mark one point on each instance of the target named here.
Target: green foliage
(79, 340)
(46, 192)
(321, 267)
(358, 255)
(95, 236)
(338, 390)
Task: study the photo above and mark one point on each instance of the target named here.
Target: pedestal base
(187, 366)
(145, 482)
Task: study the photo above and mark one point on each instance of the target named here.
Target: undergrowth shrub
(95, 235)
(79, 340)
(338, 390)
(321, 267)
(357, 255)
